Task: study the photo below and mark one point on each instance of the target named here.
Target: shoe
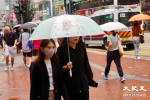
(137, 57)
(122, 79)
(25, 66)
(11, 68)
(105, 77)
(29, 65)
(7, 68)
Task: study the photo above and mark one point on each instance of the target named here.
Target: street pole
(70, 6)
(21, 19)
(65, 6)
(10, 13)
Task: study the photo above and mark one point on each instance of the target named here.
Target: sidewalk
(15, 85)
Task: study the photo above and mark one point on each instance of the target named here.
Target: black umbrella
(27, 25)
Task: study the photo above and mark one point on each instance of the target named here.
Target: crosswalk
(145, 51)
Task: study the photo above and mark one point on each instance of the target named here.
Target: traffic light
(73, 7)
(23, 7)
(17, 6)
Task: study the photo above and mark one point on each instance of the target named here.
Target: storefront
(86, 12)
(128, 2)
(145, 9)
(45, 11)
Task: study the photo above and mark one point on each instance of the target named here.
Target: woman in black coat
(82, 76)
(46, 78)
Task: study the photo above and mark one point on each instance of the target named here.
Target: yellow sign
(61, 7)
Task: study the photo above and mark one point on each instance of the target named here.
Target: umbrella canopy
(139, 17)
(33, 23)
(66, 26)
(110, 26)
(27, 26)
(16, 26)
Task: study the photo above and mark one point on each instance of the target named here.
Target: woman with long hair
(82, 76)
(46, 78)
(113, 54)
(136, 32)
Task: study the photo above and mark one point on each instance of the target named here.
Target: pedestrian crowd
(54, 72)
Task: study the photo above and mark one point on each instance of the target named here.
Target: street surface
(15, 85)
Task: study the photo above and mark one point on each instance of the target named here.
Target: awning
(73, 0)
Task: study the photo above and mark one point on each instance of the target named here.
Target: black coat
(40, 83)
(82, 76)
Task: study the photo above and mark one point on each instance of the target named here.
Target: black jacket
(82, 75)
(40, 83)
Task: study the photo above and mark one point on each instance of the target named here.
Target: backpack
(30, 42)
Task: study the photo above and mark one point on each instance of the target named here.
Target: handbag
(142, 39)
(120, 47)
(30, 42)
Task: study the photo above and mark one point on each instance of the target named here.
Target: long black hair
(114, 33)
(41, 54)
(80, 45)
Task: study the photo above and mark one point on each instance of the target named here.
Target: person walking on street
(1, 38)
(113, 54)
(27, 51)
(136, 32)
(10, 41)
(82, 76)
(46, 78)
(36, 45)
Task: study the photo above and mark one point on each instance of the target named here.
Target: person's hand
(14, 47)
(106, 51)
(4, 48)
(69, 65)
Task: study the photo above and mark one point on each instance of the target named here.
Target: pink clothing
(36, 44)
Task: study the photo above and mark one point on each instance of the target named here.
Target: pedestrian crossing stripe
(146, 46)
(1, 56)
(138, 52)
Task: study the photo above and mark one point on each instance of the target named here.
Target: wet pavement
(15, 85)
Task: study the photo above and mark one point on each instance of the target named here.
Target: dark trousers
(84, 95)
(1, 43)
(113, 55)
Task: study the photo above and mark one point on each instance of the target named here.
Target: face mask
(49, 52)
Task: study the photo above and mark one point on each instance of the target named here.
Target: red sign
(145, 12)
(85, 12)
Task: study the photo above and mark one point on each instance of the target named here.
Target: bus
(113, 15)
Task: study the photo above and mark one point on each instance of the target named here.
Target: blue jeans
(136, 46)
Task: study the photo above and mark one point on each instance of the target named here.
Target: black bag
(142, 39)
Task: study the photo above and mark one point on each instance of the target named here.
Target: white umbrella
(110, 26)
(17, 26)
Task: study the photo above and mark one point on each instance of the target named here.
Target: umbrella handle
(70, 72)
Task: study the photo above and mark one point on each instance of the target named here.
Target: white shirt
(24, 38)
(50, 73)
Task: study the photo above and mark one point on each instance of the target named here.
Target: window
(106, 18)
(103, 19)
(123, 17)
(85, 4)
(128, 2)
